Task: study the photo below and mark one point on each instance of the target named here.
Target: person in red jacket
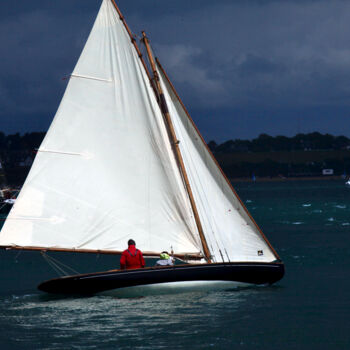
(132, 258)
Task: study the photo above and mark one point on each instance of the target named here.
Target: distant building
(327, 172)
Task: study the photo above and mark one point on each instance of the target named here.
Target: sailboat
(123, 159)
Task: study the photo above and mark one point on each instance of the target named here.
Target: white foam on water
(297, 257)
(345, 224)
(330, 219)
(340, 206)
(174, 288)
(307, 205)
(297, 223)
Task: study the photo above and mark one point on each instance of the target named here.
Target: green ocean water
(308, 222)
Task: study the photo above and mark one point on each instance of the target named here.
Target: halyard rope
(58, 266)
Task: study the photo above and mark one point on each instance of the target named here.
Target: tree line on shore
(17, 142)
(266, 143)
(300, 155)
(263, 143)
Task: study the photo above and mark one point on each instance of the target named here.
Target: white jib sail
(105, 171)
(230, 232)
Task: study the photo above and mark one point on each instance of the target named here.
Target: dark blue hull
(92, 283)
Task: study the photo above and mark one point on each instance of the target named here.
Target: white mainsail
(105, 171)
(230, 232)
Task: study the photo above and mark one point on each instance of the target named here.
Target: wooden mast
(215, 161)
(158, 90)
(175, 143)
(133, 40)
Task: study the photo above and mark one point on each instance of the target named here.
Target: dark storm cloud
(38, 48)
(242, 67)
(297, 51)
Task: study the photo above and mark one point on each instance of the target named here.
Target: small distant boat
(347, 183)
(123, 159)
(8, 199)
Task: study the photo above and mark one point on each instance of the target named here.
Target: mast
(132, 39)
(175, 143)
(215, 161)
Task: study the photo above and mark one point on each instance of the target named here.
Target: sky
(241, 67)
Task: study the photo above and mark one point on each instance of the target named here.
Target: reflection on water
(174, 288)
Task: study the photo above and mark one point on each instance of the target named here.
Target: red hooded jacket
(132, 258)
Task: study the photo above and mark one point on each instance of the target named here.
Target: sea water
(308, 222)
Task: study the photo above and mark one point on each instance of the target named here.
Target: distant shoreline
(281, 179)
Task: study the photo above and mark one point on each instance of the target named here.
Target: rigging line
(217, 243)
(227, 255)
(148, 194)
(212, 249)
(57, 269)
(222, 257)
(17, 255)
(64, 265)
(58, 264)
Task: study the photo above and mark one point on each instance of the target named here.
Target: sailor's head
(164, 255)
(131, 242)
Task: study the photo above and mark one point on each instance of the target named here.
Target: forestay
(105, 171)
(229, 230)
